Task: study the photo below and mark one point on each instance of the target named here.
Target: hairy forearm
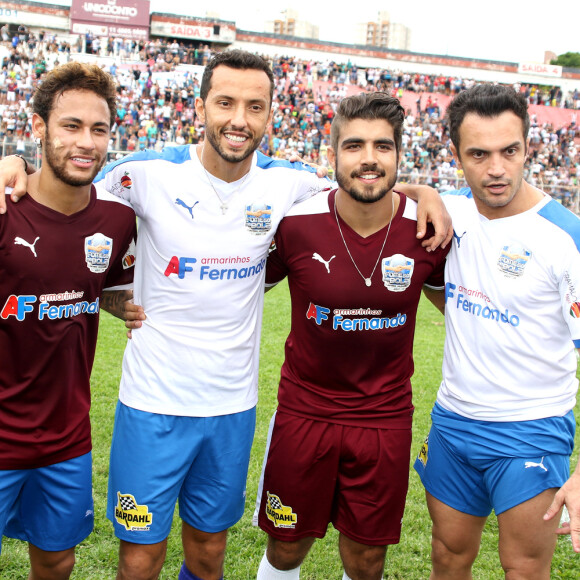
(113, 301)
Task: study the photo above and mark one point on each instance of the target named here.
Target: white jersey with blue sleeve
(512, 312)
(200, 277)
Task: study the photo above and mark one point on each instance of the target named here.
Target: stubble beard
(58, 166)
(213, 138)
(352, 189)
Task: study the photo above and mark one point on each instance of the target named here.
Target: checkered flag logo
(127, 502)
(274, 502)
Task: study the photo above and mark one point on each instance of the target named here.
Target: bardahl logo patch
(423, 454)
(279, 514)
(130, 514)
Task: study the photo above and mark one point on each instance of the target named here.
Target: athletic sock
(267, 572)
(345, 576)
(185, 574)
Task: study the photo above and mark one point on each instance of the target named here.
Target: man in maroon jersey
(340, 439)
(60, 248)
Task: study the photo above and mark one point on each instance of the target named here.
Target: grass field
(97, 556)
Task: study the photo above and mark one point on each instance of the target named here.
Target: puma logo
(320, 259)
(21, 242)
(187, 207)
(458, 238)
(534, 464)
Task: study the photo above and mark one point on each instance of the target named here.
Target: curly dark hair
(74, 76)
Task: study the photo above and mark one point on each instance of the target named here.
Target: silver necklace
(368, 281)
(223, 204)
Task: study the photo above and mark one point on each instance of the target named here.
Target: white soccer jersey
(512, 312)
(200, 277)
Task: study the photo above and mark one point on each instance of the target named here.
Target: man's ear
(38, 126)
(455, 155)
(200, 109)
(331, 156)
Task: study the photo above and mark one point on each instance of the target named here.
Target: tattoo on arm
(113, 301)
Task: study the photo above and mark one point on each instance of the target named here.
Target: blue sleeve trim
(464, 191)
(576, 343)
(265, 162)
(177, 154)
(562, 218)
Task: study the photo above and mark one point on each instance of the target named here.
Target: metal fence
(27, 149)
(569, 196)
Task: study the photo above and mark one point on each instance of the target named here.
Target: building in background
(384, 33)
(291, 25)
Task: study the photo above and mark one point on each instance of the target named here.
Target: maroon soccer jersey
(53, 270)
(349, 355)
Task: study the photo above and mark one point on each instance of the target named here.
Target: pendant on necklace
(368, 281)
(224, 208)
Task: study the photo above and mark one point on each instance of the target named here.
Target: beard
(360, 192)
(57, 164)
(213, 136)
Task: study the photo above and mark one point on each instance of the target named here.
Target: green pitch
(97, 556)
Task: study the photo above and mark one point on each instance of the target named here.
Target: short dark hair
(237, 59)
(369, 106)
(486, 100)
(74, 76)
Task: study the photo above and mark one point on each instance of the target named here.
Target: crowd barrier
(569, 196)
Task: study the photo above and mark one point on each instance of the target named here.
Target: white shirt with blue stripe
(512, 312)
(199, 276)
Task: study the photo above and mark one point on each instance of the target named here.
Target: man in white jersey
(503, 428)
(207, 217)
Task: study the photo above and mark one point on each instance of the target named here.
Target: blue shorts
(477, 466)
(157, 459)
(51, 507)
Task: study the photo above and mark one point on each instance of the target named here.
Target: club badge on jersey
(98, 248)
(513, 258)
(258, 218)
(397, 272)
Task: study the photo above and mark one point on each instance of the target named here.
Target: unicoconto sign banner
(126, 18)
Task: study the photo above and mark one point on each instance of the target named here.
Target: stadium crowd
(156, 106)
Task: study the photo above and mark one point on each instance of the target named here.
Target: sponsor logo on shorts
(130, 514)
(424, 452)
(279, 514)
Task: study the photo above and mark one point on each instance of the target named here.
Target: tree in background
(568, 59)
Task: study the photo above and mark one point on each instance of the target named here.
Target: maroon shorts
(318, 472)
